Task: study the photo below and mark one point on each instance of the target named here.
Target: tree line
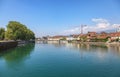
(16, 31)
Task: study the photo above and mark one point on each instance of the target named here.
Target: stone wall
(8, 45)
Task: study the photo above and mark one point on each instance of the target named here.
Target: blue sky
(57, 17)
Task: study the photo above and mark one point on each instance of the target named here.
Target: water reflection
(101, 51)
(18, 55)
(98, 51)
(114, 49)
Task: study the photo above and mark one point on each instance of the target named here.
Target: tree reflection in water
(17, 55)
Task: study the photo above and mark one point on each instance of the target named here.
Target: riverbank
(113, 44)
(100, 43)
(4, 45)
(21, 43)
(7, 44)
(93, 43)
(78, 42)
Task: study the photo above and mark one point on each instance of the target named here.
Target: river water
(60, 60)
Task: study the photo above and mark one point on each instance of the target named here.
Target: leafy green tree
(83, 38)
(2, 33)
(29, 35)
(18, 31)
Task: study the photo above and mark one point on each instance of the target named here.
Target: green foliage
(117, 39)
(2, 33)
(83, 38)
(102, 40)
(63, 38)
(18, 31)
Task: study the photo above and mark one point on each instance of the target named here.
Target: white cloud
(116, 25)
(74, 30)
(100, 25)
(99, 20)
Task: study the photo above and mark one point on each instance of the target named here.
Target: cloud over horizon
(100, 25)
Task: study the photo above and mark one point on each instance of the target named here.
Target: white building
(69, 38)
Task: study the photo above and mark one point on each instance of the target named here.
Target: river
(60, 60)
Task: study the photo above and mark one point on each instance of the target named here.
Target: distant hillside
(108, 31)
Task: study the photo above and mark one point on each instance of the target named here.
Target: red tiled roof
(116, 34)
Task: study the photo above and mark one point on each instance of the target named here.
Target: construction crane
(118, 29)
(82, 26)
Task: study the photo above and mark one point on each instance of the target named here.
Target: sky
(61, 17)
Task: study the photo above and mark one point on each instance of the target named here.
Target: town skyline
(62, 17)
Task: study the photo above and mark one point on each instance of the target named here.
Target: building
(102, 35)
(91, 36)
(70, 38)
(56, 38)
(75, 37)
(115, 36)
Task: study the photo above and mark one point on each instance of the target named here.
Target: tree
(29, 35)
(83, 38)
(18, 31)
(2, 33)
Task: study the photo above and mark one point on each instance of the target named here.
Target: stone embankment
(113, 44)
(94, 43)
(102, 43)
(7, 44)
